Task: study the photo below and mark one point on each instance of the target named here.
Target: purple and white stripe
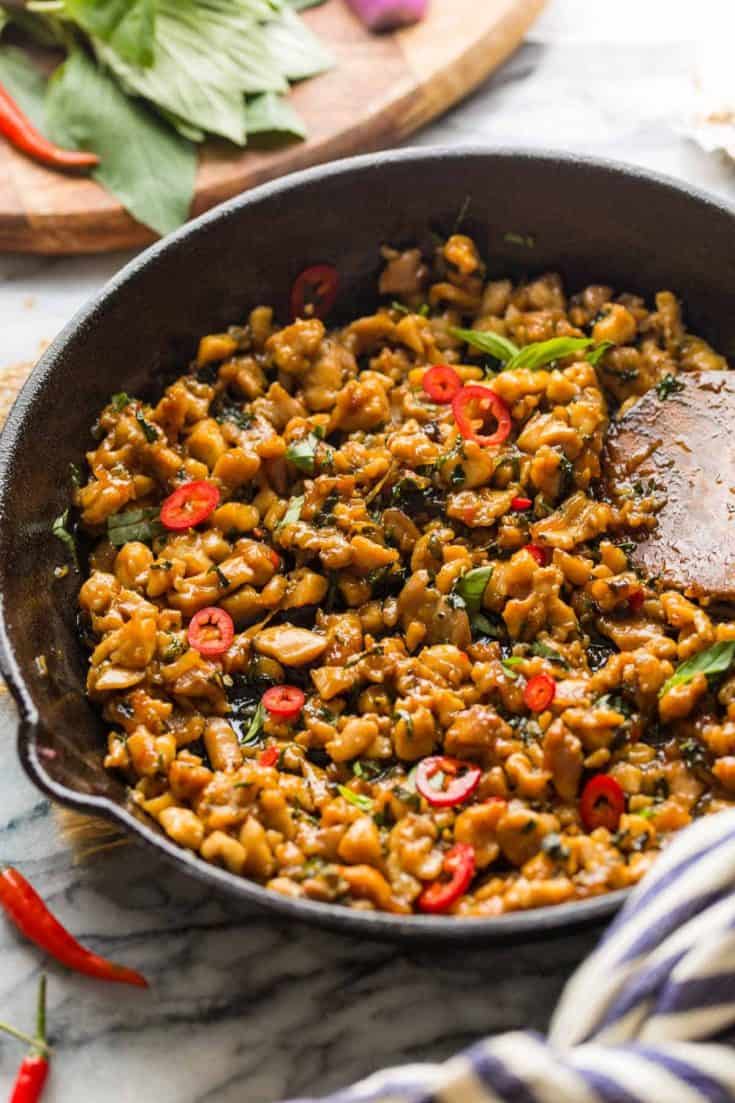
(648, 1018)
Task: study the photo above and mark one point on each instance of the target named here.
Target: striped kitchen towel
(648, 1018)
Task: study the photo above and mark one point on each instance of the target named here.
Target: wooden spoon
(685, 443)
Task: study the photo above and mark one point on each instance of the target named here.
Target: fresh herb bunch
(145, 81)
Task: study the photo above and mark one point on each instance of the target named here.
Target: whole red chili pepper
(31, 1078)
(25, 908)
(22, 134)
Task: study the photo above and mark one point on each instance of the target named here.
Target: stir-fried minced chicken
(350, 511)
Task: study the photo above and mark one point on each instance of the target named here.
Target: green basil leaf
(208, 55)
(270, 113)
(149, 432)
(302, 5)
(483, 626)
(134, 524)
(715, 660)
(546, 652)
(486, 341)
(126, 25)
(61, 532)
(363, 803)
(293, 513)
(596, 354)
(45, 30)
(668, 385)
(297, 51)
(471, 587)
(120, 401)
(509, 665)
(539, 353)
(302, 453)
(24, 83)
(145, 164)
(255, 727)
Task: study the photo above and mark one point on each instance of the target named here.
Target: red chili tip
(521, 503)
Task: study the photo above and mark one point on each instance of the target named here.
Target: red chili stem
(22, 134)
(32, 1074)
(27, 911)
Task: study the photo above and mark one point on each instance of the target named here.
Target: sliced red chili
(189, 505)
(314, 291)
(284, 702)
(602, 803)
(459, 863)
(27, 911)
(269, 756)
(521, 503)
(635, 600)
(211, 631)
(472, 406)
(441, 383)
(539, 692)
(446, 781)
(541, 555)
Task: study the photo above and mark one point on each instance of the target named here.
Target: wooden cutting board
(381, 90)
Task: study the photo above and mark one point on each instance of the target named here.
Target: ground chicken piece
(295, 348)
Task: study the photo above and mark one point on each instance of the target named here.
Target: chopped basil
(694, 754)
(363, 803)
(407, 719)
(482, 626)
(293, 513)
(61, 532)
(302, 453)
(471, 587)
(355, 659)
(120, 401)
(408, 796)
(552, 845)
(715, 660)
(615, 702)
(546, 652)
(255, 727)
(509, 665)
(395, 305)
(238, 417)
(221, 576)
(134, 524)
(668, 385)
(366, 770)
(150, 433)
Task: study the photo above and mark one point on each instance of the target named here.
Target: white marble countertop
(242, 1007)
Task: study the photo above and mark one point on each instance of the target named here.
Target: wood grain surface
(382, 89)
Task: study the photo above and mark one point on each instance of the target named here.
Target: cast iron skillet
(595, 222)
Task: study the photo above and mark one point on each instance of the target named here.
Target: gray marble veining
(244, 1007)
